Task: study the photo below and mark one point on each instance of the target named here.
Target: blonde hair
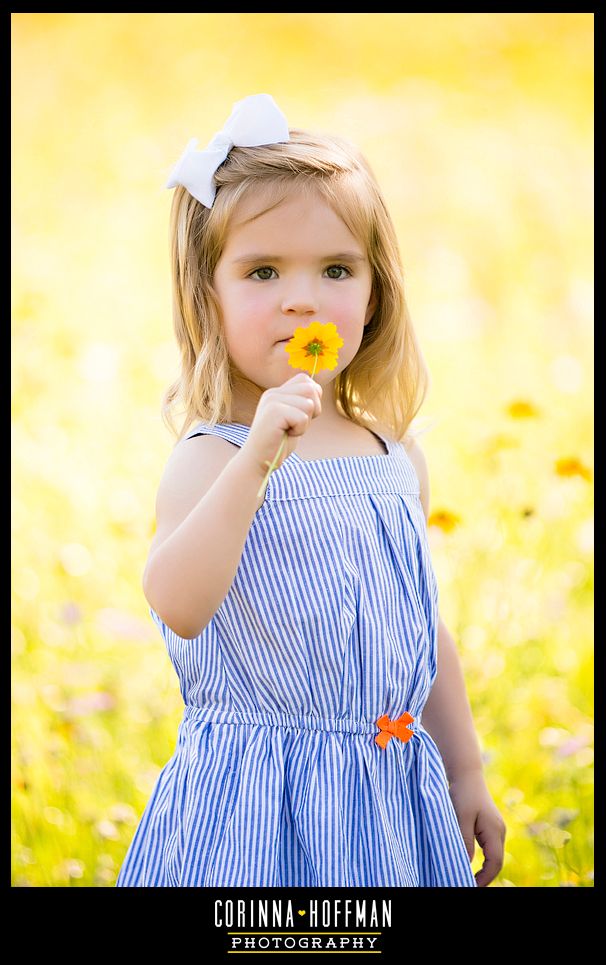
(385, 384)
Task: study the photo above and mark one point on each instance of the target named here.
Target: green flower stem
(261, 492)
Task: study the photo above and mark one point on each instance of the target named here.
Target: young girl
(300, 608)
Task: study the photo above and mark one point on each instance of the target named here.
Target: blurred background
(479, 128)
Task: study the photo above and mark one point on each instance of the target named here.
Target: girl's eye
(338, 268)
(257, 270)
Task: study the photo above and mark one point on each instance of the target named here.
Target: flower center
(314, 348)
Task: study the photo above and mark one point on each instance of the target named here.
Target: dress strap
(231, 432)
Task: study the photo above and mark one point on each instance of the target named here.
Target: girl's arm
(207, 500)
(447, 718)
(447, 713)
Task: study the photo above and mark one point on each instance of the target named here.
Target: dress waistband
(281, 719)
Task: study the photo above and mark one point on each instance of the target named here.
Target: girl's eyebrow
(256, 258)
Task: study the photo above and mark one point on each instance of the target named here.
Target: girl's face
(283, 269)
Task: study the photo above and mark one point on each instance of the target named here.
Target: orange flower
(444, 519)
(314, 347)
(572, 467)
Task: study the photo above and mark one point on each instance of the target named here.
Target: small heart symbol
(301, 912)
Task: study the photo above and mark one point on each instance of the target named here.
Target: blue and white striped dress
(330, 623)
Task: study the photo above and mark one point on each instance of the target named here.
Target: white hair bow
(253, 121)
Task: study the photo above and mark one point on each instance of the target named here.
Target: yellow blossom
(520, 409)
(444, 519)
(315, 347)
(572, 466)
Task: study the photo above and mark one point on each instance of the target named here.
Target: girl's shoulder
(407, 440)
(192, 467)
(415, 453)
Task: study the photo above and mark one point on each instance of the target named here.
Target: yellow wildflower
(315, 347)
(572, 467)
(444, 519)
(520, 409)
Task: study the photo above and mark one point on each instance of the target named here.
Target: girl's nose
(300, 301)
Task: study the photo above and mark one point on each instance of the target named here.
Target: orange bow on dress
(394, 728)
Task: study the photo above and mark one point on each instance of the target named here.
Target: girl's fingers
(302, 403)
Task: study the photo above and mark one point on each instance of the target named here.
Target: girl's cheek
(254, 297)
(349, 302)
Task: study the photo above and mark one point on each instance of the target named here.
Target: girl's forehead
(294, 211)
(288, 203)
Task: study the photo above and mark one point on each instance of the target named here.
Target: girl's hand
(479, 818)
(286, 408)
